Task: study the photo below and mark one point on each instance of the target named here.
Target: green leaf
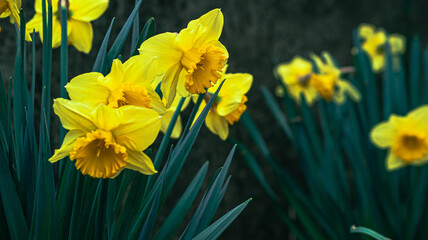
(147, 230)
(209, 203)
(176, 216)
(100, 64)
(123, 34)
(11, 204)
(147, 32)
(368, 232)
(277, 113)
(218, 227)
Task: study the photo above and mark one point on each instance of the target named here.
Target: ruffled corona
(98, 155)
(204, 67)
(236, 114)
(127, 94)
(410, 145)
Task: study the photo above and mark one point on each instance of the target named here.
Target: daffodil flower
(10, 8)
(126, 84)
(229, 104)
(373, 43)
(405, 137)
(166, 118)
(79, 15)
(103, 141)
(192, 60)
(297, 77)
(328, 82)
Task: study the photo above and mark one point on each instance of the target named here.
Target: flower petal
(383, 134)
(139, 161)
(366, 30)
(73, 115)
(139, 128)
(166, 119)
(114, 79)
(140, 70)
(107, 118)
(35, 23)
(209, 26)
(169, 83)
(393, 162)
(162, 47)
(81, 35)
(229, 99)
(86, 88)
(67, 145)
(217, 124)
(86, 11)
(242, 81)
(38, 6)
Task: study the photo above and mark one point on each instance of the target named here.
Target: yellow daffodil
(297, 77)
(10, 8)
(192, 60)
(103, 141)
(328, 83)
(79, 15)
(229, 104)
(405, 137)
(373, 43)
(166, 118)
(126, 84)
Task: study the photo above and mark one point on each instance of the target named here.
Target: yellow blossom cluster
(300, 78)
(112, 119)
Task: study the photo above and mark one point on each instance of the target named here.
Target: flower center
(65, 3)
(305, 80)
(204, 67)
(127, 94)
(410, 146)
(98, 156)
(236, 114)
(325, 85)
(3, 6)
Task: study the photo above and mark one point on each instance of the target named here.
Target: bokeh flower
(10, 8)
(328, 83)
(229, 104)
(405, 137)
(103, 141)
(126, 84)
(373, 43)
(297, 77)
(79, 15)
(191, 60)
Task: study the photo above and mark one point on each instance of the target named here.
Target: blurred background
(258, 34)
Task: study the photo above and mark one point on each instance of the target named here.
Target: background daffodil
(328, 82)
(79, 15)
(374, 44)
(229, 105)
(10, 8)
(405, 137)
(192, 60)
(103, 141)
(126, 84)
(297, 77)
